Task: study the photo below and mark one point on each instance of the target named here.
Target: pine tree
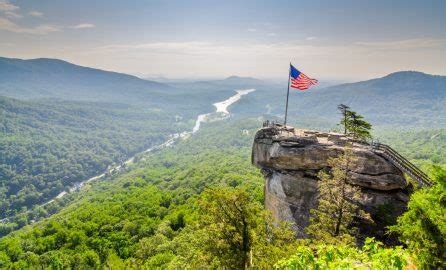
(354, 123)
(344, 109)
(332, 220)
(358, 127)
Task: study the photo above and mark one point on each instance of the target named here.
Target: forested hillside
(424, 147)
(72, 123)
(47, 145)
(156, 216)
(403, 99)
(52, 78)
(56, 79)
(153, 201)
(232, 135)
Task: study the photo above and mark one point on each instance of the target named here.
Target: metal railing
(268, 123)
(403, 164)
(390, 154)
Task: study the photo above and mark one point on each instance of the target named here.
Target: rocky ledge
(290, 160)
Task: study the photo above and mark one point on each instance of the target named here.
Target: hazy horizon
(162, 78)
(347, 40)
(155, 134)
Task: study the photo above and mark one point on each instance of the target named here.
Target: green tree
(239, 233)
(344, 109)
(4, 260)
(358, 127)
(12, 248)
(231, 219)
(354, 123)
(423, 226)
(373, 255)
(331, 221)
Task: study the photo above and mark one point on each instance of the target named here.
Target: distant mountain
(406, 98)
(418, 83)
(53, 78)
(236, 80)
(232, 82)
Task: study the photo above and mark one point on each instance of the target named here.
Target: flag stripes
(302, 82)
(298, 80)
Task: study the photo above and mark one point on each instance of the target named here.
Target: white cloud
(83, 26)
(310, 38)
(269, 59)
(271, 34)
(5, 5)
(204, 48)
(185, 48)
(406, 44)
(36, 13)
(251, 30)
(8, 12)
(12, 15)
(42, 29)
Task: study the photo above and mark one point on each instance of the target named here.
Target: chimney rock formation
(290, 160)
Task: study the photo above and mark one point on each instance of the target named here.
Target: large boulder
(290, 160)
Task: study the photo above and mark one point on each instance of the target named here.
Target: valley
(221, 107)
(153, 204)
(232, 135)
(158, 155)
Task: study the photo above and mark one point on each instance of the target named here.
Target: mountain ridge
(54, 61)
(409, 98)
(54, 78)
(397, 75)
(402, 99)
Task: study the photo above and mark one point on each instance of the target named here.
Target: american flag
(299, 80)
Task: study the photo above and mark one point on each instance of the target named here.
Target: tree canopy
(332, 220)
(354, 123)
(423, 226)
(165, 213)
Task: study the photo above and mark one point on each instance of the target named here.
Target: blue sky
(203, 39)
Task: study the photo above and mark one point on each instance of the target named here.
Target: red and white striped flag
(299, 80)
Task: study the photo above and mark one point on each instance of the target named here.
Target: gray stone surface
(290, 160)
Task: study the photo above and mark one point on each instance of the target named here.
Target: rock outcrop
(290, 160)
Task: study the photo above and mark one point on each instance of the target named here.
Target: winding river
(220, 107)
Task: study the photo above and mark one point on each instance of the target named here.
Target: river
(220, 107)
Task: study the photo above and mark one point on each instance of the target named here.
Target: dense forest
(200, 202)
(423, 147)
(166, 212)
(400, 100)
(100, 118)
(46, 146)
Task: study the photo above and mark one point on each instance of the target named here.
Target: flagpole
(287, 94)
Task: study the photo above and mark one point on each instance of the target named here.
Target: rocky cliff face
(290, 160)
